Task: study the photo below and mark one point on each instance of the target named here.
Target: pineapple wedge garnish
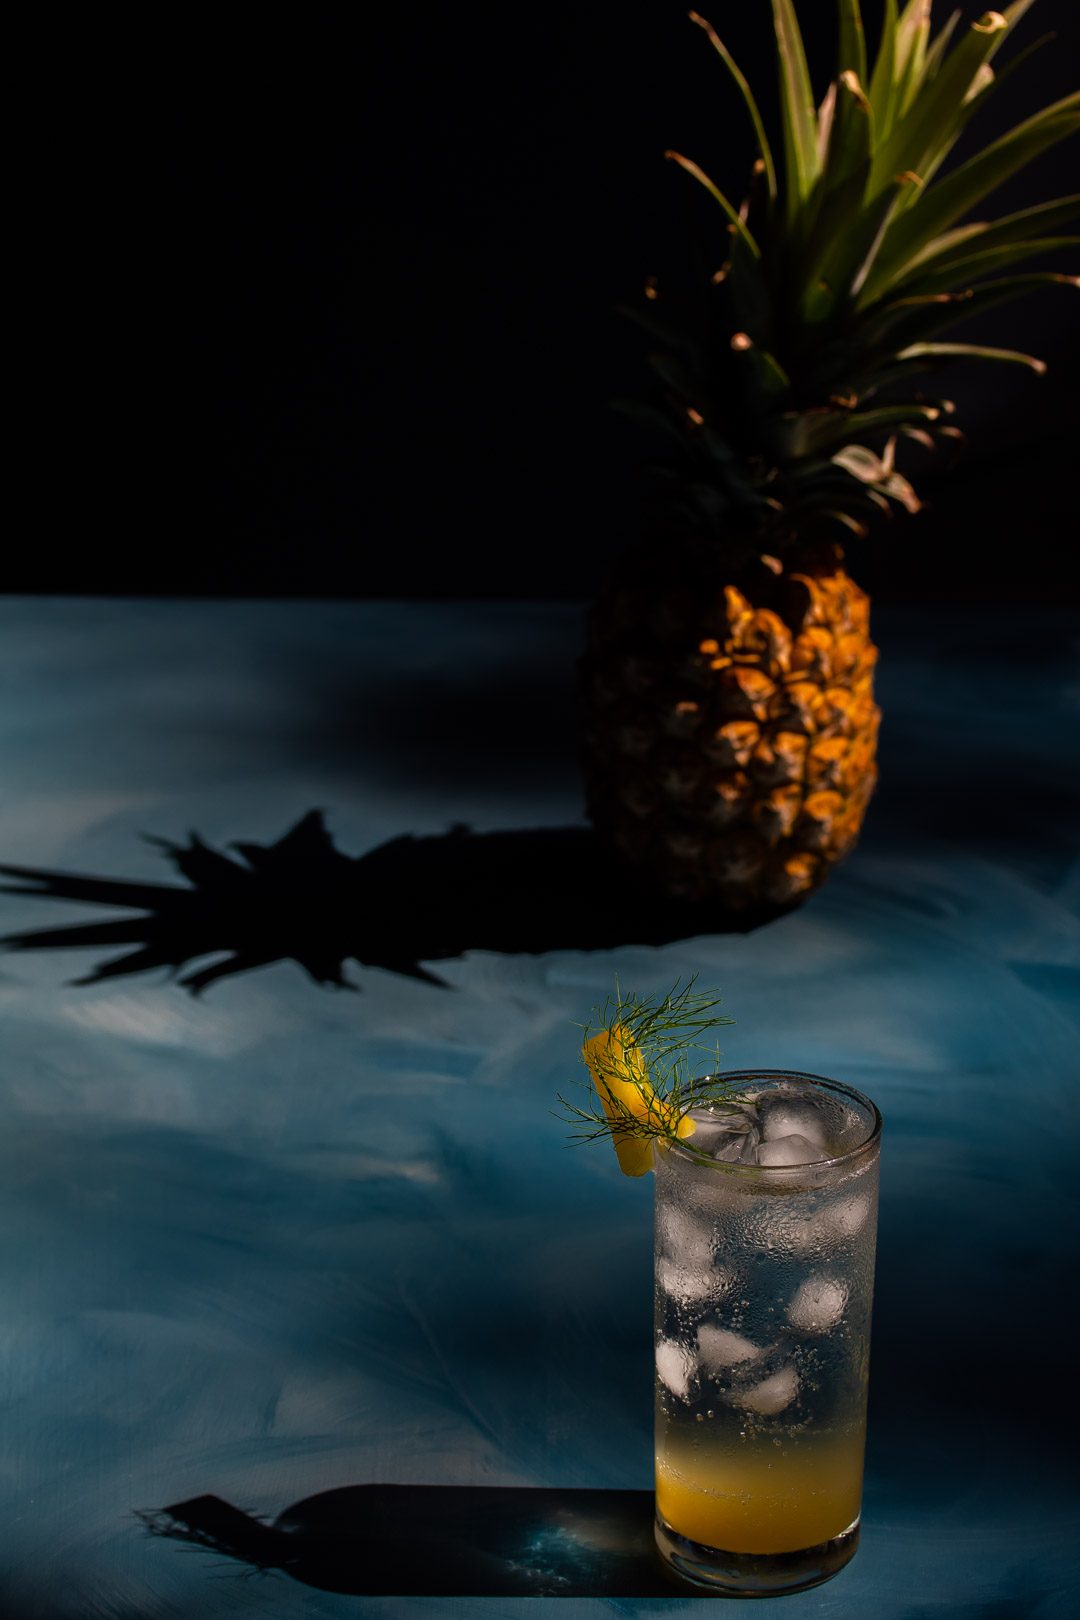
(622, 1083)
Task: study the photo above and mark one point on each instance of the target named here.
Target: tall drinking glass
(765, 1226)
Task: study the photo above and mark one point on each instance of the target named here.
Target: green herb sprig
(668, 1031)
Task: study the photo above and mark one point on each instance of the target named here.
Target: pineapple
(729, 724)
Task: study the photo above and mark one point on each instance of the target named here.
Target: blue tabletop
(281, 1240)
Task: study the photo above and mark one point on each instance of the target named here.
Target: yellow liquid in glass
(761, 1498)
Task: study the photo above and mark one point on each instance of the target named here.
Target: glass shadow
(442, 1540)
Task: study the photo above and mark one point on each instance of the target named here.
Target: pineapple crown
(786, 393)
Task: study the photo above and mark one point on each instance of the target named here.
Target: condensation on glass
(765, 1230)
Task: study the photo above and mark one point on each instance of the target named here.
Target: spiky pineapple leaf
(860, 424)
(854, 526)
(878, 472)
(714, 191)
(912, 36)
(842, 184)
(828, 307)
(938, 115)
(935, 51)
(797, 114)
(750, 301)
(766, 373)
(983, 263)
(911, 320)
(851, 147)
(948, 200)
(747, 94)
(1015, 12)
(855, 250)
(852, 50)
(883, 77)
(987, 84)
(1004, 74)
(956, 245)
(971, 351)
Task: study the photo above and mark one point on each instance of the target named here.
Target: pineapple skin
(729, 729)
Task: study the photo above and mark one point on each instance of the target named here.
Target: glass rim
(680, 1147)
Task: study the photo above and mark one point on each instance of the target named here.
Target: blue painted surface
(284, 1240)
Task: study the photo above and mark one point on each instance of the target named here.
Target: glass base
(754, 1574)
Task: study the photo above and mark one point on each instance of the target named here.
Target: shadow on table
(408, 902)
(441, 1540)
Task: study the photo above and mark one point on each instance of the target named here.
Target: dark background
(321, 302)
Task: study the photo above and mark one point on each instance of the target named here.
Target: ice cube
(687, 1285)
(685, 1241)
(848, 1215)
(731, 1147)
(710, 1128)
(720, 1348)
(729, 1134)
(790, 1150)
(736, 1148)
(772, 1395)
(731, 1112)
(851, 1130)
(795, 1117)
(810, 1233)
(790, 1232)
(675, 1367)
(716, 1196)
(682, 1283)
(817, 1231)
(818, 1305)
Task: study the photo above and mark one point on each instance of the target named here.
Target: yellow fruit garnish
(622, 1083)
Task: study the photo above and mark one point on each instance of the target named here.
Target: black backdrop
(321, 301)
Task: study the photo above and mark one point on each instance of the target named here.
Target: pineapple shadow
(440, 1540)
(402, 906)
